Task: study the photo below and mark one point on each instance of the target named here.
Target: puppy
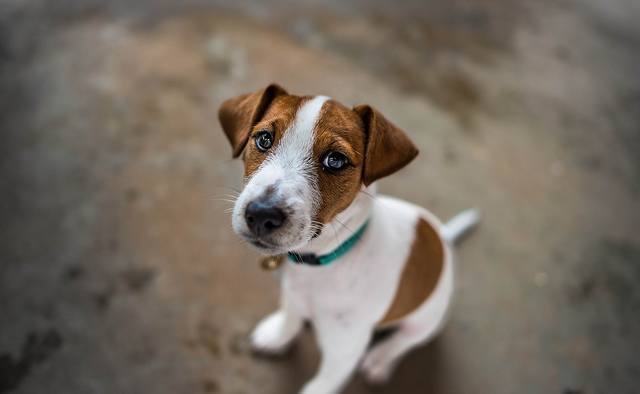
(356, 261)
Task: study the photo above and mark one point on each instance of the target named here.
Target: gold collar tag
(271, 263)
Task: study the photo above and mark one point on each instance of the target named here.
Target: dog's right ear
(239, 114)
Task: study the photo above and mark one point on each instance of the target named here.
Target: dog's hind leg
(416, 329)
(379, 362)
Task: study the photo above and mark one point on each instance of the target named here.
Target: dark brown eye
(334, 161)
(264, 140)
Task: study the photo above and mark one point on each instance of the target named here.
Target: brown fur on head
(290, 174)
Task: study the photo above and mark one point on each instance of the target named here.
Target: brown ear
(388, 148)
(239, 114)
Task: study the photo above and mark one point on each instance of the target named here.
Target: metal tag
(271, 263)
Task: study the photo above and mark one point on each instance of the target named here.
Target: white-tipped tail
(460, 224)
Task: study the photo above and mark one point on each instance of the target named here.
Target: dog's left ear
(388, 148)
(239, 114)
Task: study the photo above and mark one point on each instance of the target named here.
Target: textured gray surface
(119, 272)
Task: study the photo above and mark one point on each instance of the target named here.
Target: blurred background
(119, 272)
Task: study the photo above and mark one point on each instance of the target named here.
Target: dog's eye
(334, 161)
(264, 140)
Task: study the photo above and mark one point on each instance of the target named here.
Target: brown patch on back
(420, 275)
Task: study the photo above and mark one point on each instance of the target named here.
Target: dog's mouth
(270, 247)
(263, 245)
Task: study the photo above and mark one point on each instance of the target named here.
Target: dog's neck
(344, 225)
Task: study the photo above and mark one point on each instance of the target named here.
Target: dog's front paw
(376, 367)
(271, 336)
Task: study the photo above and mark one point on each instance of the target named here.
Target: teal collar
(326, 259)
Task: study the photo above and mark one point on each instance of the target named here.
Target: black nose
(262, 217)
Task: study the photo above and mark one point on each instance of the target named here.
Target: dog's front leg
(276, 332)
(342, 347)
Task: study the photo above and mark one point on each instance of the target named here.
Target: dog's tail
(460, 224)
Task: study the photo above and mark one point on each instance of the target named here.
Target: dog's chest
(362, 284)
(337, 292)
(382, 279)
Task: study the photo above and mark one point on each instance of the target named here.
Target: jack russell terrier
(357, 262)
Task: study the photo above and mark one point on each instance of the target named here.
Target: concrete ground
(118, 269)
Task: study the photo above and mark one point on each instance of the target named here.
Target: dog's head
(306, 158)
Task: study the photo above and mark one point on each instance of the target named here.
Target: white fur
(289, 171)
(345, 300)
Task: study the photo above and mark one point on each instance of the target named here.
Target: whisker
(344, 225)
(335, 232)
(317, 227)
(224, 199)
(227, 195)
(228, 188)
(234, 195)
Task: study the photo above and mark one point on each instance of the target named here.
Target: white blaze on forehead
(308, 115)
(295, 150)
